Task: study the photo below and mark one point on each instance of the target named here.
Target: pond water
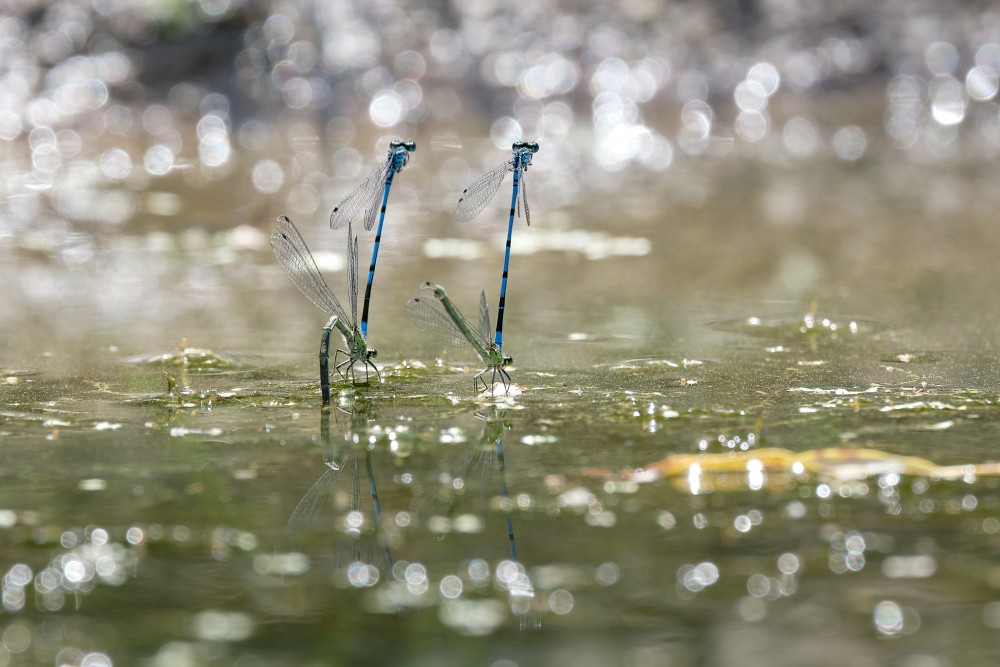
(758, 363)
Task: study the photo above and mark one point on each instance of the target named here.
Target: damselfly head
(437, 290)
(410, 146)
(399, 153)
(372, 353)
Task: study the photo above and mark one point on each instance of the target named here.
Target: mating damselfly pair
(433, 312)
(294, 257)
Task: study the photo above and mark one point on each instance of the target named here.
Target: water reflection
(474, 595)
(477, 465)
(483, 464)
(363, 547)
(835, 539)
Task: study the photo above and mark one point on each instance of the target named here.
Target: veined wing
(524, 198)
(352, 274)
(485, 331)
(308, 509)
(475, 197)
(300, 267)
(375, 203)
(429, 316)
(366, 197)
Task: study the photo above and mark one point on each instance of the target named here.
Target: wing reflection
(361, 545)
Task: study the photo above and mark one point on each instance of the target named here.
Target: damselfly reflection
(365, 542)
(476, 471)
(493, 432)
(516, 579)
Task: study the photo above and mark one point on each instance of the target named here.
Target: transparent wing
(352, 274)
(355, 550)
(356, 485)
(365, 197)
(475, 197)
(427, 313)
(300, 267)
(524, 198)
(485, 331)
(375, 205)
(308, 510)
(350, 551)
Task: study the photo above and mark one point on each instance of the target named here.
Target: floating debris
(190, 358)
(836, 463)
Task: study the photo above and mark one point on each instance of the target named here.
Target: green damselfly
(434, 312)
(300, 267)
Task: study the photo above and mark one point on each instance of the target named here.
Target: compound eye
(372, 353)
(534, 146)
(410, 146)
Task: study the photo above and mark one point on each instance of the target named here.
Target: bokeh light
(637, 93)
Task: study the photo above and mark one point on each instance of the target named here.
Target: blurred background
(698, 161)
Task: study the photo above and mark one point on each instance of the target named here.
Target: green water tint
(229, 518)
(699, 188)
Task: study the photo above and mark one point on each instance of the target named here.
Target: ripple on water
(189, 358)
(635, 364)
(914, 357)
(13, 375)
(808, 327)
